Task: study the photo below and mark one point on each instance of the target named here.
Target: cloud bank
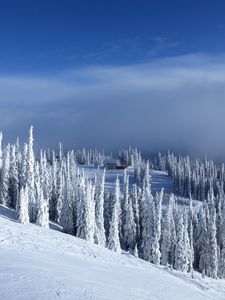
(176, 103)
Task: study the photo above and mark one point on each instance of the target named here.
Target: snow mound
(38, 263)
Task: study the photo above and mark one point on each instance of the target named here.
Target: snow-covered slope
(38, 263)
(159, 179)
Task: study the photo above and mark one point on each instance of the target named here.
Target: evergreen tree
(67, 220)
(59, 191)
(190, 236)
(201, 240)
(99, 213)
(130, 229)
(147, 224)
(124, 208)
(114, 241)
(212, 245)
(157, 214)
(22, 206)
(181, 263)
(13, 178)
(53, 189)
(5, 199)
(43, 213)
(168, 235)
(30, 178)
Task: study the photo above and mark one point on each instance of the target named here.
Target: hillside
(38, 263)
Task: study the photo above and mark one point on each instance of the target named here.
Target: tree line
(53, 186)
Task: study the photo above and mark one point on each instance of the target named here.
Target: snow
(40, 263)
(159, 179)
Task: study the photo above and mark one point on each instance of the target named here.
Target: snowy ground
(38, 263)
(159, 179)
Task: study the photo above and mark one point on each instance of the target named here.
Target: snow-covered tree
(157, 215)
(30, 177)
(114, 240)
(181, 263)
(168, 235)
(22, 212)
(5, 199)
(147, 224)
(13, 178)
(43, 213)
(212, 254)
(130, 228)
(201, 242)
(99, 212)
(67, 220)
(42, 208)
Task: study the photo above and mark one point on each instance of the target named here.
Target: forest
(52, 185)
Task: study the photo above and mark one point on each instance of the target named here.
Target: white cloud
(175, 102)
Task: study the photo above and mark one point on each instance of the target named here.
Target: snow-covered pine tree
(5, 199)
(147, 223)
(212, 254)
(99, 212)
(190, 235)
(22, 212)
(181, 263)
(59, 191)
(201, 242)
(42, 211)
(13, 178)
(157, 214)
(221, 269)
(135, 203)
(124, 208)
(30, 178)
(53, 188)
(22, 175)
(67, 220)
(114, 240)
(130, 229)
(168, 235)
(89, 212)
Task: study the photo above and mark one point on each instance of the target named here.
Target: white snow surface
(159, 179)
(39, 263)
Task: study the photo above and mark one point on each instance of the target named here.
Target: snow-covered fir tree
(67, 220)
(168, 242)
(99, 212)
(5, 176)
(30, 163)
(22, 211)
(181, 263)
(130, 237)
(114, 240)
(157, 216)
(147, 223)
(13, 178)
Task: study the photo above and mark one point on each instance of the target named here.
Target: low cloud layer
(176, 103)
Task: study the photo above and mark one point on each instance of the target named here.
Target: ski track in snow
(38, 263)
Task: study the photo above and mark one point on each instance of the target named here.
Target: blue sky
(48, 36)
(108, 74)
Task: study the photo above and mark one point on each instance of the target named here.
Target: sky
(110, 74)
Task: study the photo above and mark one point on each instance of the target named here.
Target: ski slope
(38, 263)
